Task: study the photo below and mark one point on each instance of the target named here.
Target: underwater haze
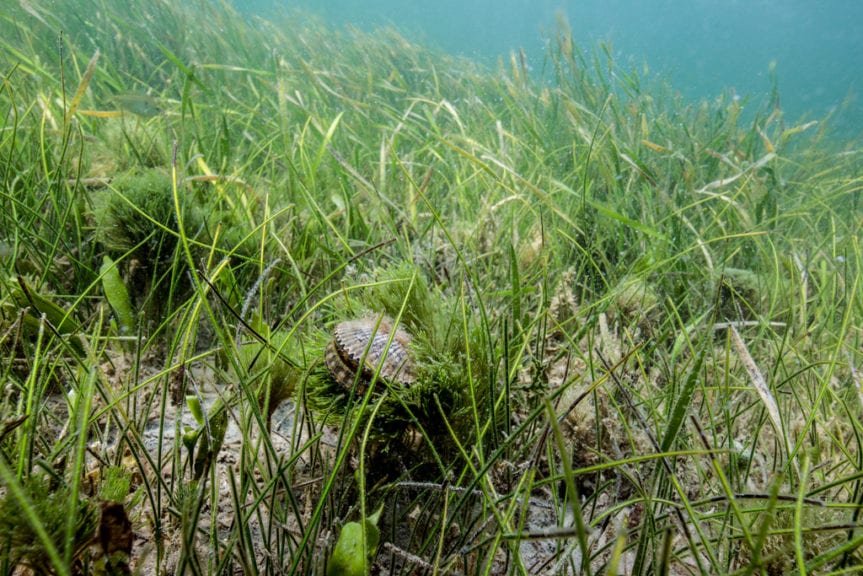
(701, 47)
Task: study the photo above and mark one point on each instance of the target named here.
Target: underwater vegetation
(279, 298)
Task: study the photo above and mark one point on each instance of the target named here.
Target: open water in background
(701, 47)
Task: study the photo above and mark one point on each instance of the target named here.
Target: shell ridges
(364, 341)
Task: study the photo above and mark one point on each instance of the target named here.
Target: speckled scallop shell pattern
(356, 341)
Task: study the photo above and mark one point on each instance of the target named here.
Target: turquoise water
(702, 47)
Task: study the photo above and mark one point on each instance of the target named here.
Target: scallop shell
(361, 345)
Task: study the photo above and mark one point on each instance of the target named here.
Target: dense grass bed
(635, 320)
